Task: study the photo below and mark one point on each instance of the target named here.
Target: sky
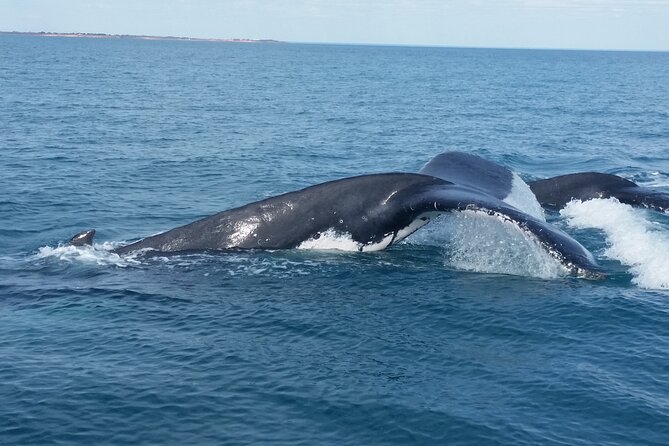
(569, 24)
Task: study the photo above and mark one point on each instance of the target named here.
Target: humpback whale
(373, 212)
(556, 192)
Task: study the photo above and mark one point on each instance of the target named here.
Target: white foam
(521, 197)
(633, 240)
(478, 242)
(100, 254)
(333, 240)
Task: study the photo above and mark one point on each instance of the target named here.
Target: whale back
(558, 191)
(471, 171)
(366, 208)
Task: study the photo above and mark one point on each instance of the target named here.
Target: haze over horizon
(565, 24)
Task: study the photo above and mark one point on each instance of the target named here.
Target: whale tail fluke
(84, 238)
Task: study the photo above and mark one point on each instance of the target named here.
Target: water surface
(403, 346)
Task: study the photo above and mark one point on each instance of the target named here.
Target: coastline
(133, 36)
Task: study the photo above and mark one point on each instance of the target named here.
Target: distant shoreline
(245, 40)
(132, 36)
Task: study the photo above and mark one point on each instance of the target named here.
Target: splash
(333, 240)
(633, 240)
(478, 242)
(100, 254)
(522, 197)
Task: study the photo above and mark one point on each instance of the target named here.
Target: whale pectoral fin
(453, 198)
(84, 238)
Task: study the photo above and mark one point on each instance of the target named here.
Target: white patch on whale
(415, 225)
(243, 230)
(335, 240)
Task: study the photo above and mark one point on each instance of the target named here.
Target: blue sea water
(403, 346)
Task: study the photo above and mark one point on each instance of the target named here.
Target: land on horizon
(133, 36)
(248, 40)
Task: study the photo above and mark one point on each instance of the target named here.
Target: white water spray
(99, 254)
(478, 242)
(633, 239)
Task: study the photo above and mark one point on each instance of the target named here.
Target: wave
(233, 263)
(633, 239)
(99, 254)
(655, 180)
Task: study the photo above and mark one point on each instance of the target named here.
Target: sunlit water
(467, 333)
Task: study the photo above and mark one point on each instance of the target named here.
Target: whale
(556, 192)
(371, 213)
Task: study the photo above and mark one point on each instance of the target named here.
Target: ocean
(461, 335)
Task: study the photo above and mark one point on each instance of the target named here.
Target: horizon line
(93, 35)
(90, 35)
